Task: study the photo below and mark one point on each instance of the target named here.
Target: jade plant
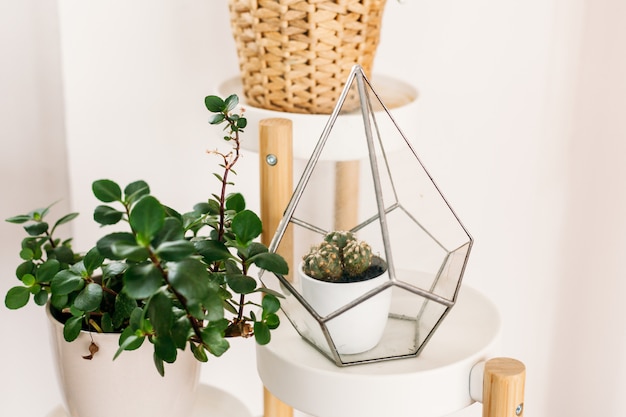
(174, 280)
(340, 257)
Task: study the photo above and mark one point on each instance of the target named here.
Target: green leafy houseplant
(173, 279)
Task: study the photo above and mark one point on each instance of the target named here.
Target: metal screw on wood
(271, 159)
(519, 409)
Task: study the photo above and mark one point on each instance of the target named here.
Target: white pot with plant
(164, 289)
(338, 271)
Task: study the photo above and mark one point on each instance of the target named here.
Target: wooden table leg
(503, 388)
(276, 176)
(347, 175)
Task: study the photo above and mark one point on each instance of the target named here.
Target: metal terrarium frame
(412, 210)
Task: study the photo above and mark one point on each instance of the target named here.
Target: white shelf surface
(211, 401)
(434, 384)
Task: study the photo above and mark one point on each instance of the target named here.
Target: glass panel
(404, 218)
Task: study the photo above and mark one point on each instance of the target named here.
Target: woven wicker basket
(295, 55)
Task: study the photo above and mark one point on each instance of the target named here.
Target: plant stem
(229, 163)
(195, 324)
(49, 237)
(242, 297)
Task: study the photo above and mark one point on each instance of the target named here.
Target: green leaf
(89, 298)
(214, 104)
(27, 254)
(58, 301)
(146, 218)
(232, 267)
(270, 261)
(216, 118)
(214, 307)
(106, 322)
(40, 213)
(72, 328)
(181, 331)
(214, 340)
(272, 321)
(266, 290)
(129, 340)
(124, 306)
(158, 363)
(74, 311)
(231, 102)
(65, 219)
(135, 190)
(141, 281)
(261, 333)
(175, 251)
(212, 250)
(270, 304)
(22, 218)
(241, 284)
(41, 297)
(36, 229)
(246, 226)
(113, 269)
(136, 321)
(17, 297)
(47, 270)
(171, 231)
(255, 248)
(159, 311)
(28, 280)
(106, 191)
(242, 122)
(65, 282)
(63, 254)
(235, 202)
(165, 348)
(190, 278)
(198, 352)
(130, 251)
(202, 208)
(25, 268)
(105, 244)
(107, 215)
(93, 260)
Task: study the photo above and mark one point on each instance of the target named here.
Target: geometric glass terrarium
(400, 213)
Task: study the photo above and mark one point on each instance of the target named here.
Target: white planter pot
(358, 329)
(128, 386)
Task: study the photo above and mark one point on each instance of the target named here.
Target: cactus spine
(339, 254)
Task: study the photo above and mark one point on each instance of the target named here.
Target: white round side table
(210, 401)
(436, 383)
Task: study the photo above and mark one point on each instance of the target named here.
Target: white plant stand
(455, 369)
(436, 383)
(210, 401)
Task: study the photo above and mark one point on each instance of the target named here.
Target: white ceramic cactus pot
(128, 386)
(358, 329)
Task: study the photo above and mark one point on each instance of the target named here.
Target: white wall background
(520, 122)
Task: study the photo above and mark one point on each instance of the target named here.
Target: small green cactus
(323, 262)
(339, 238)
(339, 255)
(357, 257)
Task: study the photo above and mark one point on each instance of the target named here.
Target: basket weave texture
(296, 55)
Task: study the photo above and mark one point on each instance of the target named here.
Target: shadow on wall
(589, 344)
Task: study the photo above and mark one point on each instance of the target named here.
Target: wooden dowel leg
(346, 194)
(276, 176)
(503, 388)
(273, 407)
